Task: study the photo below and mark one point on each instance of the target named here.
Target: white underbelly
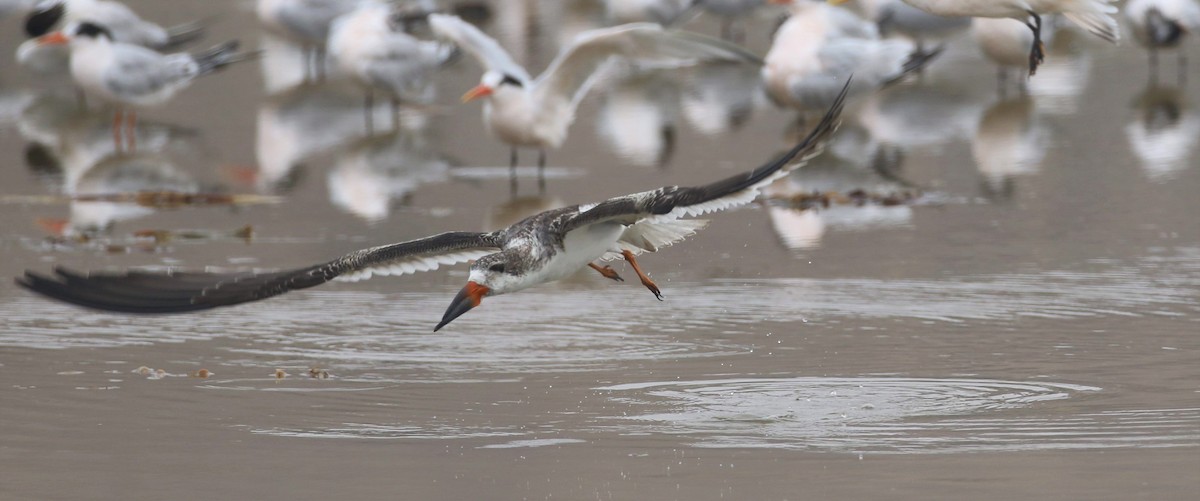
(582, 246)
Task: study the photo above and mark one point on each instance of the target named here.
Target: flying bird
(542, 248)
(523, 111)
(128, 75)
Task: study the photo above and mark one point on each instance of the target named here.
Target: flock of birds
(821, 56)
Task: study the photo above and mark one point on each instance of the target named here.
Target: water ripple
(888, 415)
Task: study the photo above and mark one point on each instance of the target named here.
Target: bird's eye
(498, 268)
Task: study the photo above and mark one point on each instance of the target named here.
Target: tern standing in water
(370, 45)
(542, 248)
(1163, 24)
(1093, 15)
(127, 75)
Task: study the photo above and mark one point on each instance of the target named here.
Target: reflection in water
(75, 146)
(1164, 132)
(372, 172)
(828, 413)
(80, 137)
(299, 123)
(122, 173)
(913, 116)
(721, 98)
(1009, 142)
(282, 64)
(639, 114)
(1063, 78)
(853, 164)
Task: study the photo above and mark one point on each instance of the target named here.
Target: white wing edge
(650, 236)
(414, 264)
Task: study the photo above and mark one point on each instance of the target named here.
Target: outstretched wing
(574, 66)
(483, 48)
(177, 292)
(654, 216)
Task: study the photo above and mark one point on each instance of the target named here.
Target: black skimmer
(535, 113)
(545, 247)
(128, 75)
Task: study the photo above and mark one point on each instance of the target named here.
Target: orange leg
(607, 272)
(645, 279)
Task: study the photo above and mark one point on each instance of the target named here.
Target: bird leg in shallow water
(541, 172)
(369, 111)
(512, 172)
(117, 125)
(1037, 54)
(606, 272)
(645, 279)
(131, 130)
(396, 114)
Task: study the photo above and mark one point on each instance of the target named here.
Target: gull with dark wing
(127, 75)
(542, 248)
(535, 113)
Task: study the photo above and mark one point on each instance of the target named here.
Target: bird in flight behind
(541, 248)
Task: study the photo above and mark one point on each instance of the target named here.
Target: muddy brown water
(1026, 327)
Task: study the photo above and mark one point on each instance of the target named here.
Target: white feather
(413, 264)
(650, 236)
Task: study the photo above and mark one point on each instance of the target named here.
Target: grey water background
(1025, 327)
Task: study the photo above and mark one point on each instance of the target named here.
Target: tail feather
(222, 55)
(1096, 16)
(184, 34)
(916, 62)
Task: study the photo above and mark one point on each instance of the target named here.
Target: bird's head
(84, 31)
(490, 275)
(493, 82)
